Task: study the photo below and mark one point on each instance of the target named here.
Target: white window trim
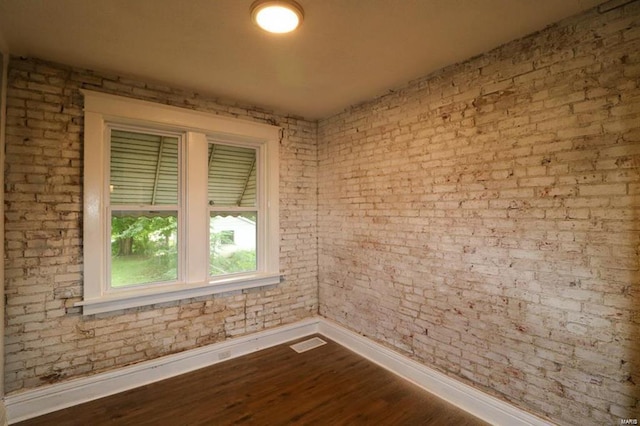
(194, 281)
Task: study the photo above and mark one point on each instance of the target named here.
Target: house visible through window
(177, 204)
(226, 238)
(233, 209)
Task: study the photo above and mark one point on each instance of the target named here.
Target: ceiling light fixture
(277, 16)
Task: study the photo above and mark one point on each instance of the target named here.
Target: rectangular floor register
(307, 345)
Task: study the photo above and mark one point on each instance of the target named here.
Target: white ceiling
(346, 51)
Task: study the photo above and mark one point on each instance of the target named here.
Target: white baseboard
(4, 421)
(33, 403)
(465, 397)
(46, 399)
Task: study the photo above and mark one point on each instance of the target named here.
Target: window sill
(151, 295)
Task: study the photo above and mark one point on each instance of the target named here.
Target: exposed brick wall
(47, 339)
(485, 220)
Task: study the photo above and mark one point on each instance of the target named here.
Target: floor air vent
(308, 345)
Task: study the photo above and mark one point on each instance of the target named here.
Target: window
(143, 209)
(233, 209)
(226, 238)
(177, 204)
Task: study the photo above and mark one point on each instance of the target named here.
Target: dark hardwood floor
(329, 385)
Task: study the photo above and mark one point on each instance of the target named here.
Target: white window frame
(102, 110)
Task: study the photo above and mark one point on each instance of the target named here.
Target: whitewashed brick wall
(47, 339)
(485, 220)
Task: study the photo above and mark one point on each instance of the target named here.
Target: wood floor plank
(328, 385)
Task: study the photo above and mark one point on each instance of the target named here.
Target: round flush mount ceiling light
(277, 16)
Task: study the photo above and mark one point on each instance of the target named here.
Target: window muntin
(227, 237)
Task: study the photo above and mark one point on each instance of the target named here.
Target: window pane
(232, 242)
(232, 176)
(143, 247)
(144, 168)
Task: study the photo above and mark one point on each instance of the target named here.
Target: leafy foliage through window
(143, 249)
